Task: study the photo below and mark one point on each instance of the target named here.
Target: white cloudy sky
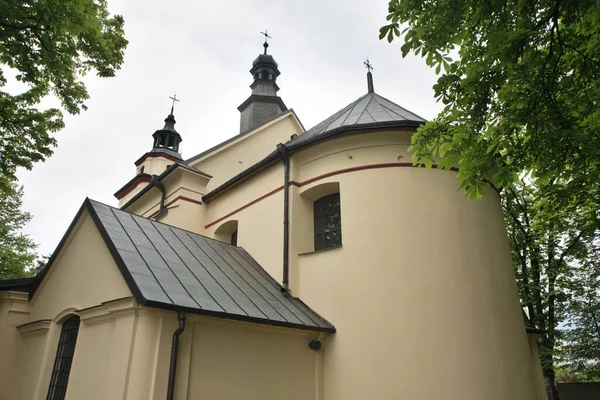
(203, 50)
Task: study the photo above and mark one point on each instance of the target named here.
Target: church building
(283, 263)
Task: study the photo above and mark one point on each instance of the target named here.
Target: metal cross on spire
(368, 65)
(267, 37)
(174, 98)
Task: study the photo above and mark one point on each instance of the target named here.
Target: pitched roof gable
(170, 268)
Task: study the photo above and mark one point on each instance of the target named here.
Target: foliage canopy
(50, 45)
(519, 80)
(17, 251)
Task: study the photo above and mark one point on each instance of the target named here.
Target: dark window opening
(142, 169)
(234, 238)
(171, 142)
(64, 359)
(328, 222)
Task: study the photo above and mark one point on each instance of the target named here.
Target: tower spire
(266, 43)
(369, 76)
(174, 98)
(263, 104)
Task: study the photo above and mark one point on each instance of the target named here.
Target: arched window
(328, 222)
(64, 358)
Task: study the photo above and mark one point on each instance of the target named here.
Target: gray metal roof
(167, 267)
(369, 110)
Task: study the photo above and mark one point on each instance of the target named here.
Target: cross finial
(368, 65)
(267, 37)
(174, 98)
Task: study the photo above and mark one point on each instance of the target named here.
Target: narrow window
(234, 238)
(142, 169)
(64, 358)
(328, 222)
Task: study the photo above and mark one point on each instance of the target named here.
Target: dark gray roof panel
(176, 269)
(370, 109)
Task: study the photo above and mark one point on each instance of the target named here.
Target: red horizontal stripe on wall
(244, 206)
(174, 200)
(315, 179)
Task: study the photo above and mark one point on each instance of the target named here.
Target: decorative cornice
(157, 155)
(38, 327)
(108, 311)
(132, 184)
(262, 99)
(10, 295)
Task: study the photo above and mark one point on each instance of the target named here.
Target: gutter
(296, 145)
(283, 153)
(174, 351)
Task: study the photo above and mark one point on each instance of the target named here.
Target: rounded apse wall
(422, 290)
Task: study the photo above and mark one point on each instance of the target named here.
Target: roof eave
(334, 132)
(236, 317)
(162, 176)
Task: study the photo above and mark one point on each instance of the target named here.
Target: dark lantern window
(328, 222)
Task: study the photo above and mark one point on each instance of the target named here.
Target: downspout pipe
(174, 351)
(163, 193)
(284, 155)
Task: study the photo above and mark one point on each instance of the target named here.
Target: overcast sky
(203, 50)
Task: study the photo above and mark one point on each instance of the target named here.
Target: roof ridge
(399, 106)
(365, 109)
(387, 110)
(353, 104)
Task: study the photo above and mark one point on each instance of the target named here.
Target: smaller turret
(165, 152)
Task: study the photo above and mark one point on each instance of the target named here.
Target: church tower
(165, 151)
(263, 104)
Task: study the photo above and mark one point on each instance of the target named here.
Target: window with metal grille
(328, 222)
(64, 358)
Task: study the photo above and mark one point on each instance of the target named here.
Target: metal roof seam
(166, 263)
(227, 276)
(276, 298)
(352, 105)
(246, 281)
(140, 254)
(186, 266)
(365, 109)
(253, 262)
(206, 269)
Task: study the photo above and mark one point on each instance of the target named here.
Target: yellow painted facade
(421, 291)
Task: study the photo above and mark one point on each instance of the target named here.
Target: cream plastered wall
(183, 201)
(83, 277)
(422, 291)
(14, 311)
(229, 360)
(138, 188)
(240, 154)
(153, 165)
(537, 366)
(260, 225)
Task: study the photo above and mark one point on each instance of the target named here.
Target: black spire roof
(263, 104)
(167, 139)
